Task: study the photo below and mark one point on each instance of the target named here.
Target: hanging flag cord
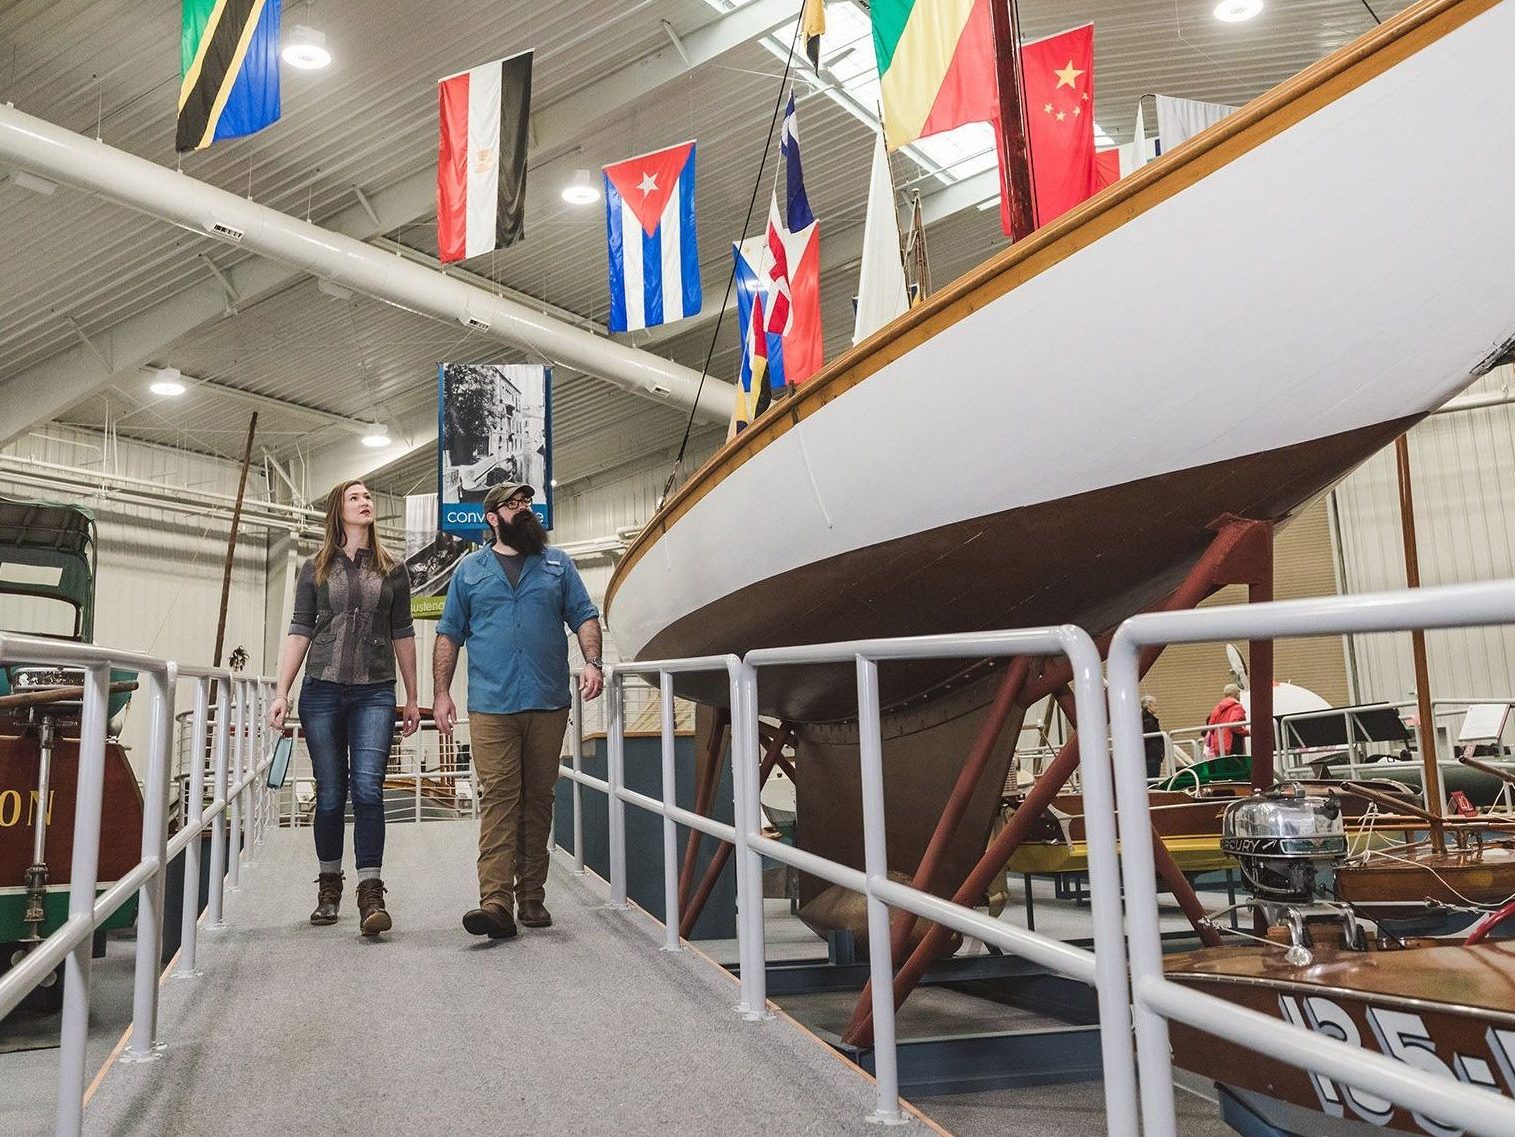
(757, 183)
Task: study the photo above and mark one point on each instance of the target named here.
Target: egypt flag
(229, 69)
(481, 158)
(649, 227)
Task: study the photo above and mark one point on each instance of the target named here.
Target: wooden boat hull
(1447, 1009)
(1189, 826)
(1413, 881)
(1052, 438)
(120, 826)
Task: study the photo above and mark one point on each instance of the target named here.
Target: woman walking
(351, 626)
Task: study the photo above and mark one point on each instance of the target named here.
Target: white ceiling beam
(48, 389)
(203, 208)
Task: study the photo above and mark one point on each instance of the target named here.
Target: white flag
(881, 290)
(1179, 120)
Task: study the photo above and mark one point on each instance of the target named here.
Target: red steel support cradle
(691, 911)
(707, 777)
(1241, 552)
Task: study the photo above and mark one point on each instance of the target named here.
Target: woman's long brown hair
(332, 539)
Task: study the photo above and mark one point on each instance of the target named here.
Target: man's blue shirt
(517, 652)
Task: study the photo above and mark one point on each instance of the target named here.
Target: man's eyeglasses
(517, 502)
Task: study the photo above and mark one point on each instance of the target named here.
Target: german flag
(229, 58)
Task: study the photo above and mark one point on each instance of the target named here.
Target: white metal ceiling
(73, 263)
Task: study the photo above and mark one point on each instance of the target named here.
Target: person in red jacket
(1228, 739)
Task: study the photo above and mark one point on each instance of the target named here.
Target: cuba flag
(649, 226)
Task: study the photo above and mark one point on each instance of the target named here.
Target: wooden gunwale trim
(1266, 116)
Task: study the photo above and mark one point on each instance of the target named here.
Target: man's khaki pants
(516, 757)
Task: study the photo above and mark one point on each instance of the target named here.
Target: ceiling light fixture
(377, 435)
(1235, 11)
(306, 49)
(581, 191)
(167, 382)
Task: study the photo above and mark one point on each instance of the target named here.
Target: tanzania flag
(229, 59)
(936, 65)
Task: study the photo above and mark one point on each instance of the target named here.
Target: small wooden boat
(39, 738)
(1188, 823)
(1450, 1009)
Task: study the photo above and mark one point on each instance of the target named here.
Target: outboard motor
(1283, 839)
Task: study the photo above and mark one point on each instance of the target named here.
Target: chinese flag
(1058, 75)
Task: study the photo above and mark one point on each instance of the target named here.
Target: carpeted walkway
(583, 1028)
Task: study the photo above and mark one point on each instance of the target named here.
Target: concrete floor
(29, 1076)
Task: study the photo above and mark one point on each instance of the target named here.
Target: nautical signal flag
(654, 250)
(813, 20)
(229, 70)
(793, 266)
(481, 158)
(755, 378)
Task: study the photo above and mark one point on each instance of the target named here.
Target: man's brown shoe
(496, 923)
(533, 914)
(328, 898)
(372, 918)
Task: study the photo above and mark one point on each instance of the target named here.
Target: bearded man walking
(508, 605)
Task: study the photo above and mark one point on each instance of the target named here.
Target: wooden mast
(1431, 773)
(1015, 154)
(231, 544)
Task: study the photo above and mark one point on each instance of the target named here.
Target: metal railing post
(616, 747)
(576, 752)
(249, 794)
(234, 796)
(749, 864)
(194, 816)
(83, 876)
(1144, 941)
(1110, 980)
(671, 912)
(260, 732)
(144, 1045)
(876, 866)
(220, 748)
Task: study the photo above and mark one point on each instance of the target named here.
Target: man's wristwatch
(597, 664)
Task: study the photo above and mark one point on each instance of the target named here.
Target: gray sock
(369, 874)
(331, 866)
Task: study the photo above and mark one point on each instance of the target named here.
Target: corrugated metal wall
(1463, 478)
(159, 584)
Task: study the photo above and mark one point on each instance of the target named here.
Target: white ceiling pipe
(42, 147)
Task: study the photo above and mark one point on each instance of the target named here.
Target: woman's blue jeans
(348, 728)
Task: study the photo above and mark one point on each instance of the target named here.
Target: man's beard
(524, 533)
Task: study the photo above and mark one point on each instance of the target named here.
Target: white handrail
(1156, 999)
(1105, 969)
(70, 944)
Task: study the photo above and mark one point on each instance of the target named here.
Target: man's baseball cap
(500, 494)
